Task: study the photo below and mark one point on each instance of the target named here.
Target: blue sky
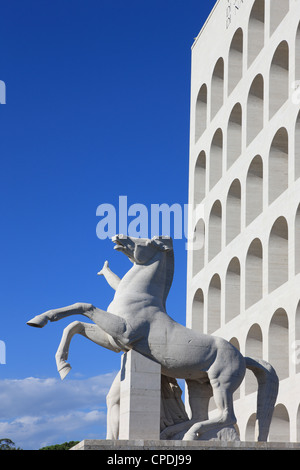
(97, 106)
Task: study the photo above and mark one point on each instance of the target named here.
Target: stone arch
(279, 343)
(235, 60)
(235, 342)
(280, 425)
(279, 78)
(254, 189)
(216, 158)
(214, 304)
(297, 54)
(233, 211)
(200, 178)
(234, 135)
(254, 348)
(278, 164)
(256, 30)
(233, 290)
(198, 247)
(298, 424)
(251, 428)
(201, 112)
(254, 273)
(217, 88)
(198, 311)
(297, 146)
(279, 9)
(215, 230)
(255, 108)
(297, 241)
(278, 254)
(296, 345)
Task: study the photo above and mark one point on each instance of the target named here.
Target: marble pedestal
(180, 446)
(140, 397)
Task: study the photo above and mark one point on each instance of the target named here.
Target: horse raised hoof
(38, 322)
(64, 370)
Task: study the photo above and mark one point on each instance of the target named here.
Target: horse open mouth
(123, 244)
(119, 245)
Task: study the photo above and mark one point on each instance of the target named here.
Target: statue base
(179, 446)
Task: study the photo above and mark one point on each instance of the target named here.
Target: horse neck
(149, 278)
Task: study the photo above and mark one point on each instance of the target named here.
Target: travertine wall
(244, 271)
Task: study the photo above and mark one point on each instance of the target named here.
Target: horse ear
(163, 243)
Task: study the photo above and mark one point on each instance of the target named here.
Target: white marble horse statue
(137, 319)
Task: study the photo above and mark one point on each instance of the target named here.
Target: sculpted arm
(112, 279)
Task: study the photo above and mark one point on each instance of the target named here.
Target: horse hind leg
(223, 396)
(62, 352)
(199, 395)
(90, 331)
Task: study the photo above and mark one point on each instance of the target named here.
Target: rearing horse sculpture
(137, 319)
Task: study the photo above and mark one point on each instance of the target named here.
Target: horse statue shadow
(137, 319)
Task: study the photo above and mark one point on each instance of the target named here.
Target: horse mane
(165, 244)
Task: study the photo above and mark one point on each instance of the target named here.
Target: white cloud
(38, 412)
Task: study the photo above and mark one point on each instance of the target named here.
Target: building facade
(243, 279)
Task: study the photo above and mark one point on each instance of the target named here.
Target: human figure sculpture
(137, 319)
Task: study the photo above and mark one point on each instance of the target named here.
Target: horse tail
(268, 384)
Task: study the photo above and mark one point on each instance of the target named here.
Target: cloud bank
(38, 412)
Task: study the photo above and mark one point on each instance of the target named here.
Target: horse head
(142, 250)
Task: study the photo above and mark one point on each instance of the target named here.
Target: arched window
(297, 55)
(215, 230)
(254, 273)
(250, 428)
(198, 311)
(280, 425)
(278, 254)
(254, 189)
(216, 158)
(214, 305)
(234, 135)
(217, 87)
(201, 112)
(255, 108)
(278, 164)
(297, 147)
(279, 9)
(233, 290)
(233, 211)
(254, 348)
(296, 345)
(279, 335)
(298, 424)
(198, 247)
(199, 178)
(256, 30)
(279, 78)
(234, 341)
(297, 241)
(235, 61)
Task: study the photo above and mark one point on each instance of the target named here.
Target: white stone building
(243, 280)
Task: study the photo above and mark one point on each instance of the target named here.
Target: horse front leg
(111, 278)
(112, 324)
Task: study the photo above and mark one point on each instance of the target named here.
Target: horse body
(137, 319)
(182, 352)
